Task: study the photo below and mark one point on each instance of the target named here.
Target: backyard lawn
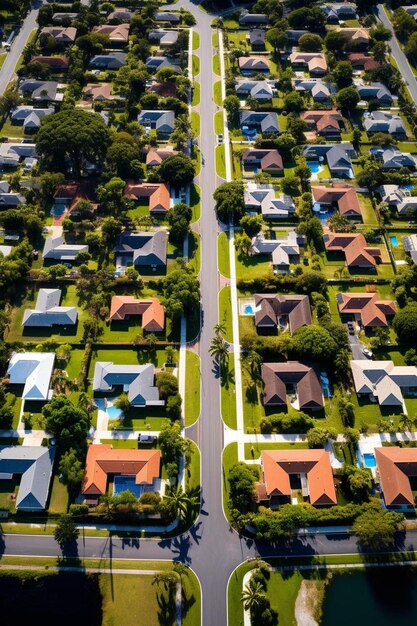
(58, 502)
(192, 388)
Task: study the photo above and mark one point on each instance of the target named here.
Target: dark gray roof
(35, 464)
(146, 248)
(111, 61)
(264, 120)
(163, 120)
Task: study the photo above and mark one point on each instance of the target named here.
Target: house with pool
(127, 469)
(137, 381)
(384, 382)
(277, 311)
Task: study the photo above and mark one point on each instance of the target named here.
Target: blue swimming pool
(394, 241)
(369, 459)
(315, 167)
(113, 412)
(126, 483)
(248, 309)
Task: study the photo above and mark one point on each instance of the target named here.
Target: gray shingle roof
(35, 464)
(137, 380)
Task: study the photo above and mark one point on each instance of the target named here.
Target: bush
(287, 423)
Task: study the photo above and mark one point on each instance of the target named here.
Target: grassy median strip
(196, 94)
(216, 64)
(220, 161)
(195, 123)
(192, 388)
(196, 65)
(217, 90)
(196, 40)
(218, 122)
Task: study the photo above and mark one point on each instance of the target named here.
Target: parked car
(351, 328)
(367, 353)
(150, 439)
(220, 137)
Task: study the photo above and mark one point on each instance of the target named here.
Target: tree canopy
(68, 423)
(405, 324)
(230, 203)
(74, 135)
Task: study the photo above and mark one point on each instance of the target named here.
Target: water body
(384, 597)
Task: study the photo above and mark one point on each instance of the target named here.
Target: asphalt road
(398, 54)
(7, 71)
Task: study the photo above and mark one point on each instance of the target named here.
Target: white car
(367, 353)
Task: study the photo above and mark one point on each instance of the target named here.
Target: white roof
(34, 371)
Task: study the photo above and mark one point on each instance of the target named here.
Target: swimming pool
(394, 241)
(248, 310)
(369, 459)
(315, 167)
(113, 412)
(126, 483)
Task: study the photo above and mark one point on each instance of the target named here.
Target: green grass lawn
(196, 65)
(229, 458)
(2, 59)
(216, 64)
(368, 213)
(253, 450)
(218, 93)
(225, 313)
(58, 502)
(195, 202)
(196, 40)
(196, 94)
(195, 123)
(218, 122)
(73, 367)
(129, 356)
(220, 161)
(252, 266)
(228, 395)
(223, 259)
(12, 130)
(215, 40)
(192, 388)
(194, 260)
(192, 475)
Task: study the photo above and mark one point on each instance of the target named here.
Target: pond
(382, 596)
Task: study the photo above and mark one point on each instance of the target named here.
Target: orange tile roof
(158, 194)
(155, 156)
(278, 465)
(346, 199)
(152, 311)
(102, 460)
(116, 32)
(354, 246)
(372, 311)
(395, 467)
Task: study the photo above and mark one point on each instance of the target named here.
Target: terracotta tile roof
(372, 311)
(102, 460)
(116, 32)
(152, 311)
(395, 467)
(278, 465)
(268, 158)
(158, 194)
(166, 89)
(276, 377)
(345, 198)
(155, 156)
(361, 60)
(354, 246)
(98, 91)
(54, 62)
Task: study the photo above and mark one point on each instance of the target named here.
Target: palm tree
(252, 595)
(220, 328)
(179, 500)
(252, 363)
(219, 349)
(405, 422)
(84, 402)
(188, 451)
(60, 380)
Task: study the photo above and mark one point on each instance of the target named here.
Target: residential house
(118, 34)
(158, 194)
(326, 123)
(392, 158)
(161, 121)
(301, 382)
(312, 152)
(111, 61)
(168, 16)
(276, 311)
(155, 156)
(261, 90)
(343, 198)
(339, 163)
(320, 91)
(48, 312)
(148, 249)
(40, 90)
(284, 251)
(356, 38)
(165, 89)
(137, 381)
(153, 64)
(253, 65)
(383, 122)
(29, 117)
(384, 382)
(263, 198)
(55, 63)
(362, 61)
(399, 199)
(256, 39)
(366, 308)
(34, 465)
(10, 198)
(314, 62)
(410, 246)
(295, 35)
(120, 15)
(282, 468)
(63, 36)
(355, 248)
(411, 9)
(142, 466)
(252, 19)
(336, 12)
(59, 18)
(33, 370)
(56, 249)
(266, 159)
(98, 92)
(375, 91)
(151, 310)
(5, 251)
(261, 121)
(396, 466)
(11, 154)
(163, 38)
